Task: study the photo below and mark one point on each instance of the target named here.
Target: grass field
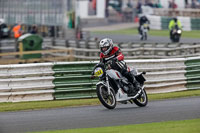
(187, 34)
(184, 126)
(81, 102)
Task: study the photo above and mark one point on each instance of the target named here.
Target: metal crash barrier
(69, 80)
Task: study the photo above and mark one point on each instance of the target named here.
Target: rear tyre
(109, 101)
(145, 36)
(142, 99)
(142, 36)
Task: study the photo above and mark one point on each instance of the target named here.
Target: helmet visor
(104, 49)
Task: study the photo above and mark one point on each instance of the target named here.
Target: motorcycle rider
(4, 32)
(172, 24)
(113, 54)
(143, 19)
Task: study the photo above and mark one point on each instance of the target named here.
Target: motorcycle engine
(125, 85)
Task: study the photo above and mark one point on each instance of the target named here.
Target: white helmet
(106, 43)
(1, 21)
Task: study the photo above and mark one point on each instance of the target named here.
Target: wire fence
(41, 12)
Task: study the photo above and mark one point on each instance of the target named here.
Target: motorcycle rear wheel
(142, 99)
(109, 101)
(145, 36)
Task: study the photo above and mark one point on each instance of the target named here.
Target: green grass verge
(184, 126)
(180, 94)
(186, 34)
(81, 102)
(46, 104)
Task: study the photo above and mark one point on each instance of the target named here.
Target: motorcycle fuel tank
(114, 74)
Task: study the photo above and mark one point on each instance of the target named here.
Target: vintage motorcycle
(112, 87)
(144, 31)
(176, 34)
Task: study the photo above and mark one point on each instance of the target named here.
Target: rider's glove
(92, 77)
(103, 60)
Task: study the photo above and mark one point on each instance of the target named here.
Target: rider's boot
(136, 86)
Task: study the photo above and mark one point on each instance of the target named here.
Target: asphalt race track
(98, 116)
(136, 38)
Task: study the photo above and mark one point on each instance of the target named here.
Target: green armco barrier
(75, 95)
(193, 84)
(73, 67)
(193, 73)
(70, 80)
(193, 67)
(192, 64)
(162, 22)
(195, 24)
(73, 81)
(165, 22)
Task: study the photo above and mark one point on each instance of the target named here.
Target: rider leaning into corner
(113, 54)
(174, 22)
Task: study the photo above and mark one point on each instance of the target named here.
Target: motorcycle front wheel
(176, 38)
(109, 101)
(142, 99)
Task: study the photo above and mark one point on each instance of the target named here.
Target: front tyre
(142, 99)
(177, 38)
(109, 101)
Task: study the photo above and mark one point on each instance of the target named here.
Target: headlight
(179, 31)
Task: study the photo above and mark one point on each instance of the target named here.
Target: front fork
(108, 86)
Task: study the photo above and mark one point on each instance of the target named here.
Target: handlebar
(143, 72)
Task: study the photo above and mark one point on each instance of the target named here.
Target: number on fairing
(98, 72)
